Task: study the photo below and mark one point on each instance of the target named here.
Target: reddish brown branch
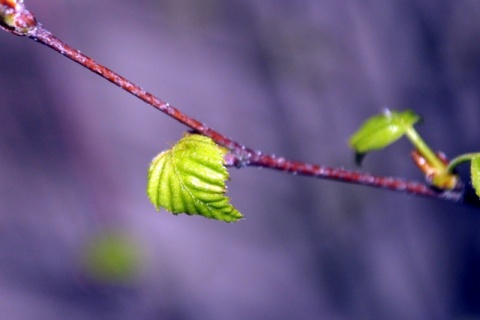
(45, 37)
(344, 175)
(16, 19)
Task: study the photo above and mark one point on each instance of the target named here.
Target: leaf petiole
(461, 159)
(425, 150)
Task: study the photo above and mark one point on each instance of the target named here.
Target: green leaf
(190, 178)
(382, 130)
(475, 173)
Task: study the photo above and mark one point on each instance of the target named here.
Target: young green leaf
(382, 130)
(190, 178)
(475, 173)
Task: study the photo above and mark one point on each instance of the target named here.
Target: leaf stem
(425, 150)
(455, 162)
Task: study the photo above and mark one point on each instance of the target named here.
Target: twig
(15, 18)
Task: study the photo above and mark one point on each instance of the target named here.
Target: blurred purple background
(294, 78)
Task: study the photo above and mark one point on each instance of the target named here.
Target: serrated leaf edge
(192, 203)
(475, 174)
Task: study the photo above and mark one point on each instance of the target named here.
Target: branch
(15, 18)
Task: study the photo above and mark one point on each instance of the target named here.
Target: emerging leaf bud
(15, 18)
